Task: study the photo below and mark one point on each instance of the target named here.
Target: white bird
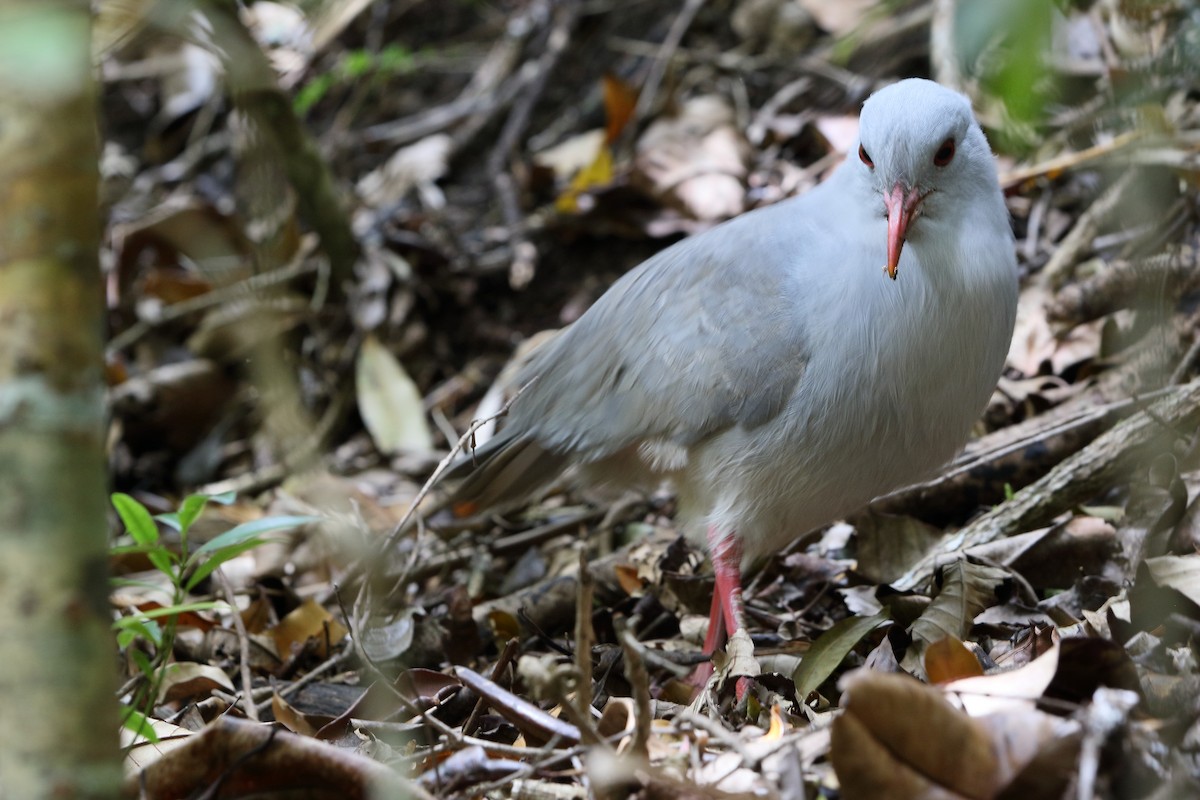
(768, 367)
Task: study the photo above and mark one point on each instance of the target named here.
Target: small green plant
(184, 568)
(355, 65)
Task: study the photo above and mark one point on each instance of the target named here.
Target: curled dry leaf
(899, 738)
(186, 680)
(739, 653)
(1003, 691)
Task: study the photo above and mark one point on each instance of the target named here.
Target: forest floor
(327, 235)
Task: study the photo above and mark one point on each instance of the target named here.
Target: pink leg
(726, 553)
(713, 640)
(726, 613)
(715, 637)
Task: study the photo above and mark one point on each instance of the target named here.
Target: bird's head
(922, 154)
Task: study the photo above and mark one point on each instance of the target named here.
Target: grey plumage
(765, 366)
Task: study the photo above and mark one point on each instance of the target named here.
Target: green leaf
(355, 63)
(217, 559)
(830, 648)
(147, 629)
(137, 519)
(163, 559)
(170, 520)
(967, 589)
(141, 584)
(143, 662)
(249, 530)
(190, 510)
(395, 59)
(312, 92)
(182, 608)
(137, 723)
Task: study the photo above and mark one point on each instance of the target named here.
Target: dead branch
(1076, 480)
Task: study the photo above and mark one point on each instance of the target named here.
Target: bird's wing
(702, 337)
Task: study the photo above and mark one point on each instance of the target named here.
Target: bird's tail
(500, 474)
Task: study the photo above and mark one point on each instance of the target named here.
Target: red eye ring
(944, 154)
(863, 157)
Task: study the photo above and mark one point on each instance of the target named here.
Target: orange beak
(902, 209)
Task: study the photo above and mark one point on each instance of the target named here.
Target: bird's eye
(863, 157)
(944, 154)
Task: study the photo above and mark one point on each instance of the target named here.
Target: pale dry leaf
(384, 641)
(840, 131)
(186, 680)
(388, 401)
(572, 154)
(140, 753)
(1035, 342)
(698, 158)
(839, 17)
(1015, 689)
(1181, 573)
(189, 80)
(416, 167)
(1021, 736)
(739, 653)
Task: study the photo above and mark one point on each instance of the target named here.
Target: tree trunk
(59, 737)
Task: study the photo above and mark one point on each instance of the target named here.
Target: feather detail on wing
(692, 342)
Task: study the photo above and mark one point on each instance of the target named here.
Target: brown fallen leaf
(899, 738)
(948, 659)
(305, 622)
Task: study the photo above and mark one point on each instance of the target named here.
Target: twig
(308, 677)
(639, 679)
(524, 252)
(1067, 161)
(243, 644)
(274, 473)
(300, 265)
(506, 656)
(585, 636)
(1165, 277)
(254, 89)
(666, 52)
(1188, 362)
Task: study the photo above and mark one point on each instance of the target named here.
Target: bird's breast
(890, 394)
